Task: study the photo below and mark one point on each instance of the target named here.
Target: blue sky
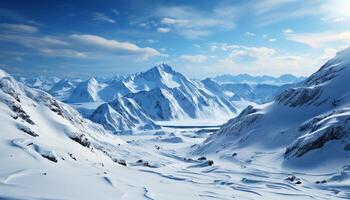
(198, 38)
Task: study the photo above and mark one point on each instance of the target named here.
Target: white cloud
(151, 41)
(194, 58)
(43, 45)
(268, 12)
(121, 47)
(196, 46)
(272, 40)
(103, 18)
(33, 41)
(63, 53)
(171, 21)
(193, 23)
(287, 31)
(245, 53)
(194, 34)
(18, 28)
(333, 19)
(319, 40)
(249, 34)
(335, 10)
(115, 11)
(18, 58)
(259, 61)
(163, 30)
(327, 54)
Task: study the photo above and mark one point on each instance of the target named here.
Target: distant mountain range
(159, 94)
(124, 103)
(249, 79)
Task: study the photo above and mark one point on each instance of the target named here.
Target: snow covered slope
(38, 115)
(308, 124)
(62, 89)
(215, 88)
(86, 91)
(48, 151)
(122, 114)
(113, 90)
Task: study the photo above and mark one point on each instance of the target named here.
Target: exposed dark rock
(72, 156)
(49, 157)
(21, 113)
(10, 91)
(293, 179)
(234, 154)
(295, 97)
(81, 139)
(28, 131)
(146, 164)
(202, 158)
(121, 162)
(347, 147)
(321, 182)
(54, 107)
(331, 133)
(210, 162)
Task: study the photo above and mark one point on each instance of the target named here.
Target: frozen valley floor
(168, 170)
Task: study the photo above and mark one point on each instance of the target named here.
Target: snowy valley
(159, 135)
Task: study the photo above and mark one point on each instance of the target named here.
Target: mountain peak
(163, 68)
(92, 81)
(3, 74)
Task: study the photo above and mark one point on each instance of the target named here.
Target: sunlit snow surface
(173, 174)
(48, 151)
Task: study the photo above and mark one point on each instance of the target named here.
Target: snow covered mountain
(40, 82)
(161, 94)
(122, 115)
(216, 89)
(62, 89)
(86, 91)
(47, 149)
(249, 79)
(258, 93)
(308, 125)
(38, 130)
(37, 115)
(161, 76)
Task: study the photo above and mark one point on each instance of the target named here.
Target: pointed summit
(161, 69)
(85, 92)
(159, 76)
